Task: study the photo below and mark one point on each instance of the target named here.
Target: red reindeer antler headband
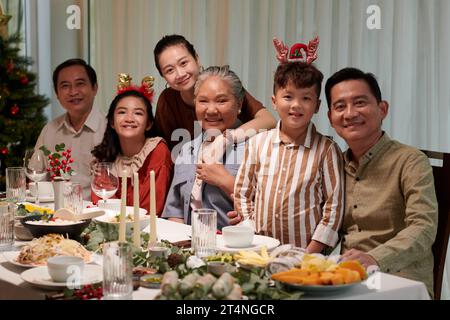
(146, 87)
(299, 51)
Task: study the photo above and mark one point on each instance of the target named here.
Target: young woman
(177, 61)
(130, 142)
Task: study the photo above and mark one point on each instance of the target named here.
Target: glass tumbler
(73, 197)
(16, 184)
(117, 271)
(204, 228)
(6, 226)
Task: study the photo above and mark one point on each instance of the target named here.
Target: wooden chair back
(441, 175)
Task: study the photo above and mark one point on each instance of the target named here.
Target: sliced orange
(355, 266)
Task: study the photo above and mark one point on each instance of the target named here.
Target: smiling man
(82, 126)
(390, 215)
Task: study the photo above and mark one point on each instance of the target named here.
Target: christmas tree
(21, 109)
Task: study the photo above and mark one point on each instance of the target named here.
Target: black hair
(109, 148)
(352, 74)
(169, 41)
(300, 74)
(74, 62)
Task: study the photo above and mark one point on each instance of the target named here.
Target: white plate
(30, 198)
(258, 242)
(11, 256)
(39, 277)
(320, 289)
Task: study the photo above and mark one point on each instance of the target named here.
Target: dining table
(379, 286)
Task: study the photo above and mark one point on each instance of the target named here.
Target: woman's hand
(216, 175)
(211, 173)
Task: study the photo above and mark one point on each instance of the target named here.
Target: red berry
(69, 151)
(84, 297)
(48, 170)
(50, 156)
(64, 162)
(59, 168)
(71, 160)
(68, 168)
(52, 163)
(64, 153)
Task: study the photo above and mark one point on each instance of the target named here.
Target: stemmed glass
(34, 163)
(104, 182)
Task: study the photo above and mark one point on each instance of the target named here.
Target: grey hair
(224, 73)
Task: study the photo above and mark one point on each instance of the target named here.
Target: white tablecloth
(379, 286)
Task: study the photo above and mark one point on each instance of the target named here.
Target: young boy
(290, 184)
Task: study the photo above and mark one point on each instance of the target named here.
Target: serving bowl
(109, 222)
(72, 231)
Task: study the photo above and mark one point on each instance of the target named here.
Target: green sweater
(391, 209)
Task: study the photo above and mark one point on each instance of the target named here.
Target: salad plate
(39, 277)
(11, 256)
(258, 242)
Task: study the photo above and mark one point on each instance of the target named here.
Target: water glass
(204, 228)
(6, 226)
(117, 271)
(73, 197)
(16, 184)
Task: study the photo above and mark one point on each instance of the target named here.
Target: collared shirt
(178, 203)
(391, 209)
(81, 142)
(293, 192)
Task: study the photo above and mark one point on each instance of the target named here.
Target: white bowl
(65, 268)
(110, 227)
(237, 236)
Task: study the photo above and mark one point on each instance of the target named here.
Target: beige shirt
(81, 143)
(391, 209)
(293, 192)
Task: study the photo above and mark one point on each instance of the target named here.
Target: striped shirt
(292, 192)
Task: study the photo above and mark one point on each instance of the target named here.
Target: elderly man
(390, 203)
(82, 126)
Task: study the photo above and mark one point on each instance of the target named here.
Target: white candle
(152, 241)
(136, 227)
(123, 205)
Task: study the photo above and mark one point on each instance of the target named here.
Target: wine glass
(104, 182)
(34, 163)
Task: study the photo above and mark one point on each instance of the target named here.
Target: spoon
(67, 214)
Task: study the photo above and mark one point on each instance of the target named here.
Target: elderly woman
(218, 101)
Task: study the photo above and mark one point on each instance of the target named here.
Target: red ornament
(14, 110)
(10, 67)
(4, 151)
(24, 80)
